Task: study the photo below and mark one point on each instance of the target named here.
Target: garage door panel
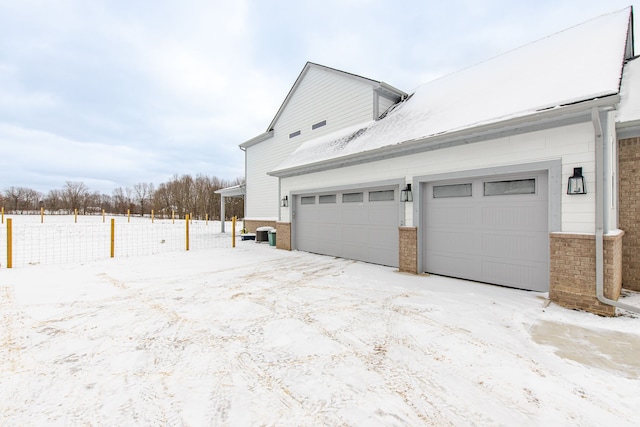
(444, 264)
(526, 216)
(520, 246)
(352, 215)
(382, 255)
(329, 215)
(452, 215)
(328, 247)
(382, 235)
(500, 273)
(355, 233)
(451, 241)
(380, 214)
(331, 231)
(501, 239)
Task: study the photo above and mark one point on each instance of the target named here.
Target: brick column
(572, 281)
(408, 250)
(629, 208)
(283, 235)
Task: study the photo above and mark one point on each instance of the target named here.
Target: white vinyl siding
(573, 144)
(322, 94)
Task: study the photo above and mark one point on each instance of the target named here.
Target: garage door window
(328, 198)
(381, 196)
(455, 190)
(509, 188)
(308, 200)
(352, 198)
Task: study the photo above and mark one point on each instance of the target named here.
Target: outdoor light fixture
(285, 201)
(576, 183)
(406, 195)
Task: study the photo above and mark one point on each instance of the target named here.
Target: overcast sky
(116, 92)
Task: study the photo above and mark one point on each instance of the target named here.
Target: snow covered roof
(629, 109)
(578, 64)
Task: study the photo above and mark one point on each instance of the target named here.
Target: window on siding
(327, 198)
(455, 190)
(318, 125)
(308, 200)
(509, 188)
(381, 196)
(294, 134)
(352, 197)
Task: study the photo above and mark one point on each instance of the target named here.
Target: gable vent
(318, 125)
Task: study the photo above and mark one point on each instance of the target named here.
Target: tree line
(181, 195)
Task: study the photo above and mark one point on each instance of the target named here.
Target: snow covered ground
(259, 336)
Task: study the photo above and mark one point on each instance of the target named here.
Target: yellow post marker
(9, 244)
(75, 215)
(103, 216)
(173, 217)
(2, 215)
(128, 215)
(152, 216)
(113, 237)
(206, 219)
(233, 232)
(187, 222)
(41, 215)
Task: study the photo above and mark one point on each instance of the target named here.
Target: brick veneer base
(252, 224)
(629, 207)
(408, 251)
(573, 271)
(283, 235)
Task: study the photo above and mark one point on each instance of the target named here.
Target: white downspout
(600, 185)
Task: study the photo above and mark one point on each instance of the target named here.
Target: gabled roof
(375, 84)
(548, 76)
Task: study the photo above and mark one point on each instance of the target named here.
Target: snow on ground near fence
(59, 239)
(260, 336)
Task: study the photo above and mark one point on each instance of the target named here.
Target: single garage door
(492, 230)
(360, 224)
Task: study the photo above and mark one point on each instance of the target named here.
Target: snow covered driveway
(258, 336)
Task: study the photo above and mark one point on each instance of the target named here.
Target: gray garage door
(492, 230)
(355, 224)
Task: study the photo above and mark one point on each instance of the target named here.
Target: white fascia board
(256, 140)
(390, 92)
(569, 114)
(235, 191)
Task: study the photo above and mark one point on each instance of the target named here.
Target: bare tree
(32, 199)
(74, 195)
(122, 200)
(143, 193)
(53, 201)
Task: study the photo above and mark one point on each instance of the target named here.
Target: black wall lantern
(406, 195)
(285, 201)
(576, 183)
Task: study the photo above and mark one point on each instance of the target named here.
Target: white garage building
(465, 177)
